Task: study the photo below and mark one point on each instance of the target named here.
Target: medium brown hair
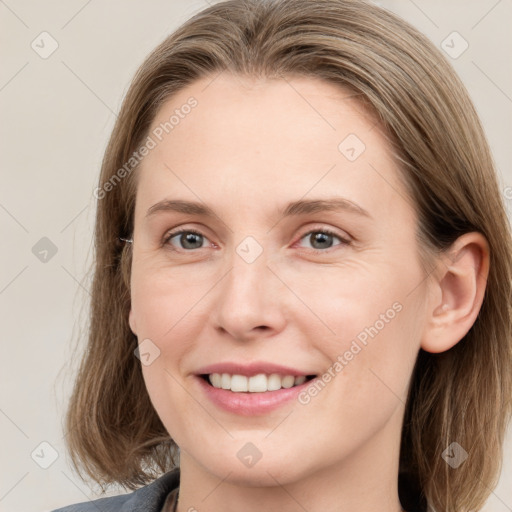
(462, 395)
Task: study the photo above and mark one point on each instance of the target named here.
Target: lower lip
(250, 404)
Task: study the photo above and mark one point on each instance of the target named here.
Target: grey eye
(320, 240)
(187, 239)
(323, 239)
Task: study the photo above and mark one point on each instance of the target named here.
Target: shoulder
(149, 498)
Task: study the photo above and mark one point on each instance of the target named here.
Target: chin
(264, 473)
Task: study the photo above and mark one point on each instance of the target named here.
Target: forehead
(264, 139)
(252, 111)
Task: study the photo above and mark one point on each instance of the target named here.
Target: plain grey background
(57, 112)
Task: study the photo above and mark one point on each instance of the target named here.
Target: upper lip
(250, 369)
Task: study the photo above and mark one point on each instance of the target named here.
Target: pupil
(322, 238)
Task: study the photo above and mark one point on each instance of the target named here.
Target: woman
(302, 292)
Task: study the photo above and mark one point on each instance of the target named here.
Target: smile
(251, 390)
(260, 383)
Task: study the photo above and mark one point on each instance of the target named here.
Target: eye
(187, 239)
(322, 239)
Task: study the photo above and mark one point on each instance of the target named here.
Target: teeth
(225, 381)
(239, 383)
(274, 382)
(300, 380)
(255, 384)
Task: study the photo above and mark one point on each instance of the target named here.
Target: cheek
(163, 300)
(354, 302)
(367, 381)
(376, 324)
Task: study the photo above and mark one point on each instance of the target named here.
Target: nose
(251, 302)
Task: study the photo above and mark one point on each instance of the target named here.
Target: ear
(458, 290)
(131, 321)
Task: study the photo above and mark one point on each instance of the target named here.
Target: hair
(462, 395)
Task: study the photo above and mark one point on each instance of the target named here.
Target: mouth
(259, 383)
(252, 388)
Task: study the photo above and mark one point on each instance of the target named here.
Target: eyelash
(326, 231)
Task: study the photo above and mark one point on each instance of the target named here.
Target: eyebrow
(299, 207)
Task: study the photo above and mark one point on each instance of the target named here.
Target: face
(297, 260)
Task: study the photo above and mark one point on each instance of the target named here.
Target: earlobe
(461, 283)
(131, 321)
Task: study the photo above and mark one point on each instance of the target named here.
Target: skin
(247, 149)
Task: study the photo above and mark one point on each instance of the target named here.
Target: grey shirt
(150, 498)
(163, 492)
